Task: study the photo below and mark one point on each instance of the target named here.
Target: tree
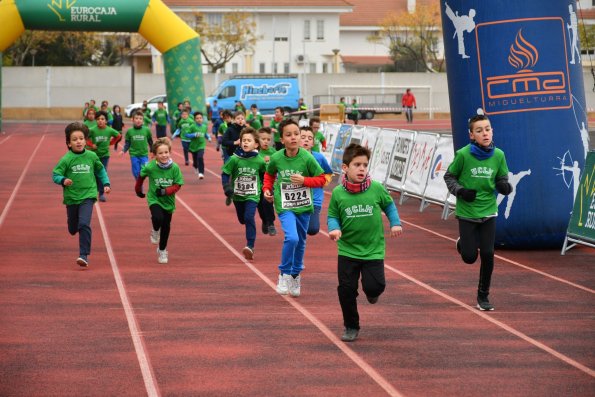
(412, 39)
(220, 42)
(19, 53)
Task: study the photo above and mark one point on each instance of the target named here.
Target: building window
(313, 67)
(262, 68)
(274, 68)
(234, 68)
(280, 38)
(286, 67)
(307, 30)
(320, 30)
(325, 67)
(214, 19)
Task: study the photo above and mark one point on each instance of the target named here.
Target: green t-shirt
(267, 152)
(139, 141)
(147, 117)
(160, 116)
(318, 139)
(90, 123)
(360, 217)
(290, 197)
(101, 138)
(222, 129)
(81, 168)
(479, 175)
(255, 122)
(199, 142)
(246, 177)
(276, 135)
(187, 126)
(160, 178)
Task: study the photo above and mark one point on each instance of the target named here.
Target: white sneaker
(201, 176)
(283, 284)
(155, 234)
(295, 285)
(162, 256)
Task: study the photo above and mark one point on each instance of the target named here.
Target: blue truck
(267, 91)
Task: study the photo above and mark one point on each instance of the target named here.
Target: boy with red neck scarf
(355, 223)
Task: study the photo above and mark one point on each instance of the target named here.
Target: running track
(210, 324)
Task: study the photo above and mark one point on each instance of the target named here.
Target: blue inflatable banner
(519, 63)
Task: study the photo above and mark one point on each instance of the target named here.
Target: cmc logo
(527, 69)
(437, 168)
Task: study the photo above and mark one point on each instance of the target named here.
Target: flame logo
(523, 54)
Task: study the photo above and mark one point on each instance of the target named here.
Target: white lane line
(5, 139)
(137, 339)
(369, 370)
(19, 182)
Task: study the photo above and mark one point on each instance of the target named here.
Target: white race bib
(295, 196)
(245, 185)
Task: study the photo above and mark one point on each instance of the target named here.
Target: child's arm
(267, 186)
(334, 228)
(168, 191)
(393, 217)
(454, 187)
(101, 173)
(227, 187)
(309, 181)
(126, 147)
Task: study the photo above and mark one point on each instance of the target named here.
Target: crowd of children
(276, 170)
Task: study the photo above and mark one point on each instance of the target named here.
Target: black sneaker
(228, 200)
(372, 299)
(265, 228)
(102, 198)
(484, 304)
(459, 245)
(272, 230)
(349, 335)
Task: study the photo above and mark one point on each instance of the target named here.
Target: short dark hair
(238, 113)
(197, 113)
(314, 120)
(285, 123)
(101, 113)
(354, 150)
(307, 129)
(266, 130)
(138, 113)
(226, 113)
(249, 131)
(76, 126)
(476, 118)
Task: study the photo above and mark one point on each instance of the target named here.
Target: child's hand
(67, 182)
(267, 158)
(236, 142)
(297, 179)
(268, 196)
(396, 231)
(335, 235)
(106, 189)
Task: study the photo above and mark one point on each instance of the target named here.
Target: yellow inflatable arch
(179, 44)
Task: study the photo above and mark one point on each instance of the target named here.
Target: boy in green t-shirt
(226, 117)
(165, 180)
(89, 119)
(138, 141)
(274, 126)
(198, 143)
(186, 125)
(161, 120)
(254, 118)
(76, 173)
(477, 172)
(266, 210)
(245, 169)
(319, 138)
(99, 141)
(355, 223)
(293, 171)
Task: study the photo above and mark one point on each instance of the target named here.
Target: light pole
(33, 52)
(336, 60)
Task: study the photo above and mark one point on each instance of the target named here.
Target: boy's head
(226, 115)
(278, 112)
(355, 163)
(101, 118)
(162, 150)
(307, 138)
(91, 102)
(76, 136)
(315, 123)
(290, 134)
(138, 118)
(180, 106)
(198, 117)
(90, 114)
(342, 99)
(184, 114)
(248, 139)
(187, 104)
(254, 108)
(265, 136)
(480, 130)
(239, 118)
(160, 104)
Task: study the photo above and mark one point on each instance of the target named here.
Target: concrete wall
(64, 90)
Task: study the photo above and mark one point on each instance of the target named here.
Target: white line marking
(318, 324)
(18, 184)
(5, 139)
(137, 339)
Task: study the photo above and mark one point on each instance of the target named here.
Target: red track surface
(210, 324)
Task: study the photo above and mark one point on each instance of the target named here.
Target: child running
(99, 141)
(266, 210)
(307, 137)
(245, 168)
(319, 139)
(185, 126)
(355, 223)
(76, 173)
(198, 142)
(477, 172)
(165, 180)
(293, 171)
(138, 141)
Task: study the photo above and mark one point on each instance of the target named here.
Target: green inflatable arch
(179, 44)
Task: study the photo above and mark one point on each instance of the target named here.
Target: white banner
(341, 142)
(370, 137)
(400, 159)
(330, 131)
(357, 134)
(436, 187)
(419, 163)
(379, 162)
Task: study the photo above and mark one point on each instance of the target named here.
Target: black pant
(373, 284)
(79, 220)
(161, 220)
(266, 211)
(198, 160)
(474, 236)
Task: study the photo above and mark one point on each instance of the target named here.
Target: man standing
(408, 103)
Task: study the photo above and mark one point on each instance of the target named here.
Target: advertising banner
(341, 142)
(443, 155)
(419, 163)
(330, 131)
(380, 160)
(400, 159)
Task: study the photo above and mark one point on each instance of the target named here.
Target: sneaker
(265, 228)
(248, 253)
(102, 198)
(282, 284)
(272, 230)
(372, 299)
(484, 304)
(458, 244)
(228, 200)
(185, 162)
(155, 235)
(162, 256)
(295, 285)
(201, 176)
(82, 261)
(349, 335)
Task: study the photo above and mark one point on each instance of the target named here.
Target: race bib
(246, 185)
(295, 196)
